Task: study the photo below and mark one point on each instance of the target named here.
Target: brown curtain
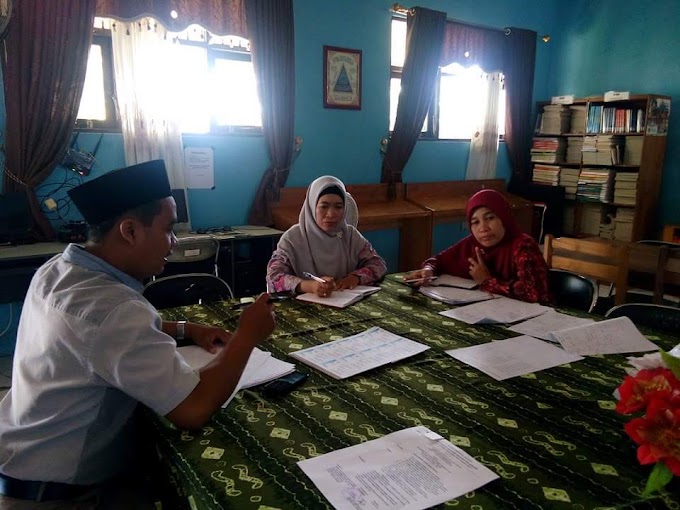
(470, 45)
(222, 17)
(271, 28)
(518, 67)
(44, 60)
(424, 33)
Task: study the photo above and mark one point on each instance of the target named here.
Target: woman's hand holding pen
(321, 286)
(478, 270)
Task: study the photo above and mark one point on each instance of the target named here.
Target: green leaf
(671, 362)
(658, 478)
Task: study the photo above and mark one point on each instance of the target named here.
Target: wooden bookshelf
(639, 117)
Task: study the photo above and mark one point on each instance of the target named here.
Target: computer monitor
(16, 221)
(182, 212)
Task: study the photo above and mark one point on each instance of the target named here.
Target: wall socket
(50, 204)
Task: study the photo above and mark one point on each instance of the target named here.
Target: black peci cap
(110, 195)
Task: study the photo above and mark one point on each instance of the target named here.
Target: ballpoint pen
(424, 278)
(313, 277)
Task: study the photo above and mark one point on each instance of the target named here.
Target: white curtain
(146, 76)
(484, 139)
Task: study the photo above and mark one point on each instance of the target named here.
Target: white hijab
(310, 249)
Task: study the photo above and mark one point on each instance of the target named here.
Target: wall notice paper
(357, 353)
(543, 325)
(513, 357)
(498, 311)
(411, 469)
(199, 167)
(455, 296)
(340, 298)
(613, 336)
(262, 367)
(447, 280)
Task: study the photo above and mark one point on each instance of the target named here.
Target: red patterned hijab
(498, 258)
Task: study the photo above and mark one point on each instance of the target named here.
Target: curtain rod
(406, 11)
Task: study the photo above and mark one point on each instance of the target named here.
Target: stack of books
(625, 188)
(556, 119)
(589, 150)
(591, 219)
(610, 149)
(569, 179)
(548, 150)
(632, 153)
(595, 185)
(547, 175)
(574, 150)
(623, 230)
(578, 119)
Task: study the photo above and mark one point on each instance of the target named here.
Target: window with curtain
(217, 92)
(458, 100)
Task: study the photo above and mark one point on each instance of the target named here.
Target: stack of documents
(262, 367)
(447, 280)
(340, 298)
(355, 354)
(413, 469)
(502, 310)
(455, 296)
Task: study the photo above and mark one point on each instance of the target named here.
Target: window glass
(93, 102)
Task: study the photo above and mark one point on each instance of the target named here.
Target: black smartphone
(284, 385)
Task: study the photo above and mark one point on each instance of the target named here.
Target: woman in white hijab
(322, 244)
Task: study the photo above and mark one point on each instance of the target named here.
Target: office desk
(376, 212)
(553, 437)
(448, 200)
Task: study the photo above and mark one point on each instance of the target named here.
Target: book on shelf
(632, 153)
(340, 298)
(556, 119)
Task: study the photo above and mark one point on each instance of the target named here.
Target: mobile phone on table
(278, 296)
(284, 385)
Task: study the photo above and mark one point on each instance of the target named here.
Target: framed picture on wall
(341, 78)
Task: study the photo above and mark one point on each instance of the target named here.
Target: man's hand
(257, 321)
(211, 338)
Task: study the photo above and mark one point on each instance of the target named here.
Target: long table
(553, 436)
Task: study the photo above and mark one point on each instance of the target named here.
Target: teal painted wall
(339, 142)
(635, 49)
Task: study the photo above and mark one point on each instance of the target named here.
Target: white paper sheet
(262, 367)
(498, 311)
(543, 325)
(410, 469)
(613, 336)
(199, 167)
(357, 353)
(340, 298)
(513, 357)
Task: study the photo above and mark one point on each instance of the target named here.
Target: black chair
(186, 289)
(661, 317)
(572, 290)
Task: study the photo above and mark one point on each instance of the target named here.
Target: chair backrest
(193, 255)
(572, 290)
(351, 211)
(186, 289)
(663, 318)
(598, 259)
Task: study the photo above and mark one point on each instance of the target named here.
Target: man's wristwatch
(181, 330)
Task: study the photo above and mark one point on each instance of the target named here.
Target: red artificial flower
(658, 432)
(637, 391)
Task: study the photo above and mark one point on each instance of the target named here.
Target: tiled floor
(5, 374)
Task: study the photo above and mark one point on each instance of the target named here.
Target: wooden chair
(655, 268)
(601, 261)
(572, 290)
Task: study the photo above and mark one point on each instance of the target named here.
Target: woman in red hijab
(497, 255)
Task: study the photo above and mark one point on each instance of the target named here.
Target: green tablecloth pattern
(553, 437)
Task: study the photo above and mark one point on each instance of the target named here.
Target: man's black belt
(40, 491)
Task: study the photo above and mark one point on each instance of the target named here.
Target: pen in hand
(424, 278)
(313, 277)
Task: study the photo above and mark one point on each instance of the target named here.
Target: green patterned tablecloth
(553, 437)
